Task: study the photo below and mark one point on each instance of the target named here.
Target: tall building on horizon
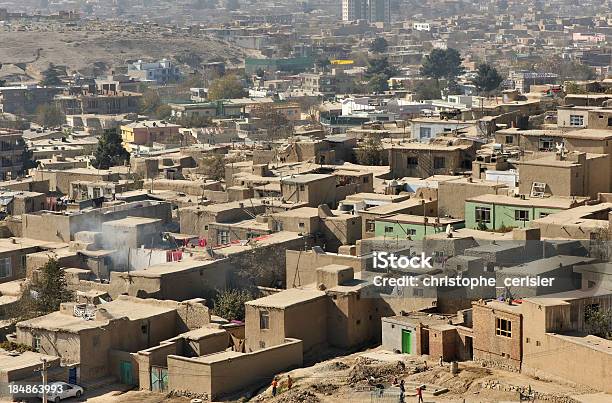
(353, 10)
(370, 10)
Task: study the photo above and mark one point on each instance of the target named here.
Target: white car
(58, 391)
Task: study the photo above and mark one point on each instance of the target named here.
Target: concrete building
(12, 148)
(353, 10)
(161, 72)
(146, 133)
(405, 226)
(424, 160)
(571, 174)
(497, 212)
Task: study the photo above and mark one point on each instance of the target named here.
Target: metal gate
(159, 379)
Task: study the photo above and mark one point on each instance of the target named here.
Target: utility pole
(44, 380)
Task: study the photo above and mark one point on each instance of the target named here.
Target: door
(406, 341)
(72, 375)
(126, 373)
(159, 379)
(469, 347)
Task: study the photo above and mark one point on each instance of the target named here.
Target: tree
(487, 78)
(52, 288)
(370, 152)
(149, 102)
(427, 89)
(49, 116)
(379, 45)
(226, 87)
(110, 151)
(275, 123)
(194, 121)
(378, 74)
(229, 304)
(573, 88)
(163, 112)
(51, 76)
(214, 166)
(598, 321)
(442, 63)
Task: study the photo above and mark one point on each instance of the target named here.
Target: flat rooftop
(287, 298)
(545, 265)
(306, 178)
(417, 219)
(550, 202)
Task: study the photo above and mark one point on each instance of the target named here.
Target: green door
(126, 373)
(406, 341)
(159, 379)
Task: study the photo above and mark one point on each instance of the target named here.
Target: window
(439, 162)
(370, 225)
(222, 237)
(6, 269)
(483, 215)
(410, 231)
(503, 327)
(412, 161)
(262, 344)
(302, 188)
(144, 329)
(609, 121)
(521, 215)
(417, 292)
(301, 225)
(366, 180)
(542, 215)
(36, 343)
(509, 139)
(264, 320)
(388, 230)
(547, 144)
(576, 120)
(425, 132)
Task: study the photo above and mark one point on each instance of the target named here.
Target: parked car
(59, 391)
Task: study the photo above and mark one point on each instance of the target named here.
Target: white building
(160, 72)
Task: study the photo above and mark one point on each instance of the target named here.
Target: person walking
(274, 386)
(402, 389)
(289, 382)
(419, 391)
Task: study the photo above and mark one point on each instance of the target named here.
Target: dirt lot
(31, 51)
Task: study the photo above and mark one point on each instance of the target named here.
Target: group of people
(275, 384)
(402, 388)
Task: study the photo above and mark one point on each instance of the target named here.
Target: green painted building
(295, 64)
(404, 226)
(496, 212)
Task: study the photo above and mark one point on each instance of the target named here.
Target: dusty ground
(30, 52)
(346, 380)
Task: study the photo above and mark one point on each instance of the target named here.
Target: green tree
(487, 78)
(229, 304)
(371, 151)
(163, 112)
(275, 123)
(52, 288)
(378, 74)
(49, 116)
(226, 87)
(51, 76)
(427, 89)
(110, 151)
(194, 121)
(214, 166)
(379, 45)
(573, 88)
(442, 63)
(598, 321)
(149, 102)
